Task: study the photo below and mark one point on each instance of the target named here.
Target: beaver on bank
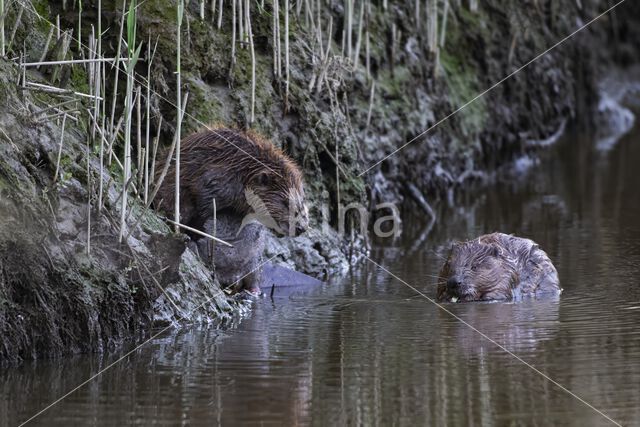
(232, 166)
(496, 266)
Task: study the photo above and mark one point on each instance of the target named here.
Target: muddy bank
(57, 296)
(354, 93)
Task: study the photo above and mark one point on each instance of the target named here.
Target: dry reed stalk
(2, 14)
(277, 65)
(55, 178)
(201, 233)
(356, 55)
(15, 26)
(241, 35)
(52, 89)
(89, 192)
(46, 46)
(176, 212)
(432, 25)
(233, 36)
(371, 95)
(253, 61)
(349, 25)
(115, 79)
(71, 62)
(220, 15)
(109, 145)
(156, 140)
(139, 181)
(150, 56)
(443, 30)
(167, 162)
(80, 25)
(286, 55)
(132, 54)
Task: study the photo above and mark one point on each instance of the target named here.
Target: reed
(432, 25)
(371, 97)
(2, 15)
(241, 22)
(139, 152)
(220, 15)
(150, 56)
(79, 25)
(443, 29)
(201, 233)
(176, 213)
(348, 8)
(55, 178)
(16, 24)
(132, 55)
(286, 55)
(356, 55)
(233, 37)
(277, 65)
(170, 152)
(152, 174)
(253, 61)
(114, 98)
(89, 193)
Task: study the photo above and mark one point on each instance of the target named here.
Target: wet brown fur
(221, 163)
(496, 266)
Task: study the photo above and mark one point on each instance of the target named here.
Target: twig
(53, 89)
(71, 61)
(201, 233)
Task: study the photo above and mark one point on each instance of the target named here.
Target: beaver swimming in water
(228, 165)
(496, 266)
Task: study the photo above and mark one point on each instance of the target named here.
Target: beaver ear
(495, 251)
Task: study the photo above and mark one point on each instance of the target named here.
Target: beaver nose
(453, 282)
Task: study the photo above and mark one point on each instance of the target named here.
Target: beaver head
(276, 195)
(476, 270)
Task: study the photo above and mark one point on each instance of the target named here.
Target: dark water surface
(370, 351)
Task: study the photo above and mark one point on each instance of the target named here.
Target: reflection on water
(370, 351)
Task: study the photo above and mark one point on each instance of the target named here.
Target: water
(369, 350)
